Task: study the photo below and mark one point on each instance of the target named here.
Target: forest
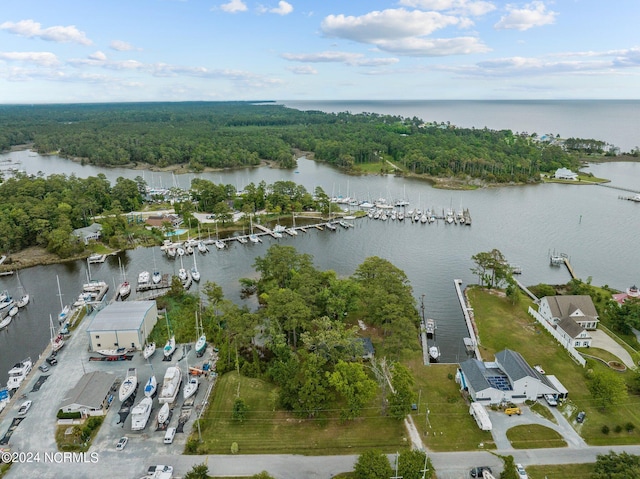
(200, 135)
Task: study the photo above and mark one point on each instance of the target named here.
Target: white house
(508, 379)
(579, 308)
(565, 174)
(572, 333)
(92, 232)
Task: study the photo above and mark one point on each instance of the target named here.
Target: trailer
(479, 413)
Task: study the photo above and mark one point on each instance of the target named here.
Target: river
(591, 224)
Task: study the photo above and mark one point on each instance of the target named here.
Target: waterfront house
(508, 379)
(159, 221)
(91, 396)
(565, 174)
(579, 308)
(632, 292)
(572, 333)
(92, 232)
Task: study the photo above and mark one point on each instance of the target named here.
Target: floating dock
(472, 344)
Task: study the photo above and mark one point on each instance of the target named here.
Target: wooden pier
(473, 343)
(570, 268)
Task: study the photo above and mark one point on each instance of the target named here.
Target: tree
(351, 382)
(414, 464)
(262, 475)
(403, 396)
(617, 466)
(372, 465)
(491, 268)
(240, 409)
(198, 471)
(509, 470)
(607, 388)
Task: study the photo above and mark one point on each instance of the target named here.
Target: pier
(473, 344)
(559, 259)
(635, 198)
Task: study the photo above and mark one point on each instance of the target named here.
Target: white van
(169, 435)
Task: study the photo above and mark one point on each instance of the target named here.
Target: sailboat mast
(59, 292)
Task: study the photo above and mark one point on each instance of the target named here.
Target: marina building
(91, 395)
(122, 324)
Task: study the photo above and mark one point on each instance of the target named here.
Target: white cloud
(386, 25)
(356, 59)
(234, 6)
(45, 59)
(425, 47)
(462, 7)
(98, 56)
(534, 14)
(283, 8)
(303, 70)
(60, 34)
(120, 46)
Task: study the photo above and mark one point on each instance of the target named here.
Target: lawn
(565, 471)
(268, 429)
(503, 325)
(534, 436)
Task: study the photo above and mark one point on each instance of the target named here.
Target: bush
(234, 448)
(629, 427)
(192, 446)
(618, 428)
(605, 429)
(68, 415)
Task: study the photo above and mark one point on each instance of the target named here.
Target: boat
(430, 327)
(57, 340)
(291, 232)
(202, 248)
(143, 277)
(18, 373)
(170, 385)
(159, 472)
(5, 398)
(254, 238)
(13, 311)
(140, 414)
(182, 274)
(24, 408)
(112, 352)
(64, 310)
(434, 353)
(156, 277)
(151, 387)
(188, 249)
(219, 244)
(242, 239)
(23, 301)
(191, 387)
(195, 274)
(331, 226)
(6, 301)
(124, 290)
(6, 321)
(171, 252)
(129, 384)
(163, 414)
(201, 343)
(148, 351)
(180, 251)
(170, 347)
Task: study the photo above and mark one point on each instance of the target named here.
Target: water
(597, 230)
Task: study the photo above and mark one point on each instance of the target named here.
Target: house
(158, 221)
(92, 232)
(565, 174)
(507, 379)
(91, 396)
(572, 333)
(579, 308)
(631, 293)
(122, 324)
(367, 347)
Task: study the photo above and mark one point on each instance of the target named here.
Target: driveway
(603, 341)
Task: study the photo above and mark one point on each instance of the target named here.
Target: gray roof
(514, 365)
(565, 306)
(474, 374)
(90, 391)
(367, 346)
(570, 327)
(88, 230)
(121, 316)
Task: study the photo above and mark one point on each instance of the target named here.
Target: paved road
(603, 341)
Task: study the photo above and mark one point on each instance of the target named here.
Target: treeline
(239, 134)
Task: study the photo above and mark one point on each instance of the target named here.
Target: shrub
(618, 428)
(234, 448)
(68, 415)
(605, 429)
(629, 427)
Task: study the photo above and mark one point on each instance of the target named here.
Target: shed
(562, 391)
(90, 396)
(123, 324)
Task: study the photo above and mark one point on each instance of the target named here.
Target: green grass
(268, 429)
(543, 411)
(449, 426)
(534, 436)
(503, 325)
(563, 471)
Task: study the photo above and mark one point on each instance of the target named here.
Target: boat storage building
(122, 324)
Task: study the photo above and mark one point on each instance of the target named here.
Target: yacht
(129, 385)
(434, 354)
(18, 373)
(143, 277)
(140, 414)
(170, 385)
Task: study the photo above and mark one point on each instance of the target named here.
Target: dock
(635, 198)
(559, 259)
(163, 284)
(472, 344)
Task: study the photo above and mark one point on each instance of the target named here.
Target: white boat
(94, 286)
(18, 372)
(129, 384)
(180, 251)
(434, 353)
(202, 247)
(124, 290)
(13, 311)
(201, 343)
(254, 238)
(23, 301)
(150, 387)
(163, 414)
(156, 277)
(291, 232)
(170, 347)
(182, 274)
(430, 327)
(242, 239)
(148, 351)
(6, 301)
(64, 310)
(24, 407)
(195, 274)
(140, 414)
(220, 244)
(143, 277)
(188, 249)
(112, 352)
(171, 252)
(170, 385)
(6, 321)
(191, 387)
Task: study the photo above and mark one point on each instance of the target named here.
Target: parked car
(52, 360)
(551, 400)
(24, 407)
(43, 367)
(580, 417)
(122, 442)
(522, 474)
(477, 471)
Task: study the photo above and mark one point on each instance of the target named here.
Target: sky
(78, 51)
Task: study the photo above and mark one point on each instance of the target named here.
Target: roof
(562, 306)
(121, 316)
(367, 345)
(90, 391)
(514, 365)
(474, 374)
(88, 230)
(557, 385)
(570, 327)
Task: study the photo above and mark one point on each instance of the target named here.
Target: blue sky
(169, 50)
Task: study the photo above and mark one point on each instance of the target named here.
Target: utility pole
(396, 476)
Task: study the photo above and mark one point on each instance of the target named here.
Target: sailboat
(195, 274)
(170, 347)
(24, 299)
(124, 289)
(201, 343)
(57, 341)
(163, 414)
(129, 384)
(253, 237)
(191, 387)
(182, 273)
(156, 277)
(151, 386)
(148, 351)
(64, 310)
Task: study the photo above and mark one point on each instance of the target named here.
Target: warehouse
(123, 324)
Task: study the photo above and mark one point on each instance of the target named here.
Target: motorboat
(151, 387)
(434, 353)
(191, 387)
(18, 373)
(148, 351)
(24, 408)
(430, 327)
(125, 289)
(170, 347)
(143, 277)
(140, 414)
(156, 277)
(23, 301)
(163, 414)
(170, 385)
(129, 384)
